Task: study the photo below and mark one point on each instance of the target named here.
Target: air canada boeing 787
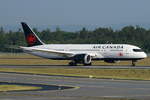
(80, 53)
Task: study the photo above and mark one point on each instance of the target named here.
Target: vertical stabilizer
(31, 38)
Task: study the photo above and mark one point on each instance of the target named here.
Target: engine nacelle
(82, 58)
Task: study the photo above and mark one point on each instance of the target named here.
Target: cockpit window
(137, 50)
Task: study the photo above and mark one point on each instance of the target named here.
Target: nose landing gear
(134, 62)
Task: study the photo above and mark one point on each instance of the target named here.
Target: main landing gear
(73, 63)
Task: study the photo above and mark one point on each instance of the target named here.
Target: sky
(74, 12)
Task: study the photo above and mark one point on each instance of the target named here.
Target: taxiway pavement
(86, 88)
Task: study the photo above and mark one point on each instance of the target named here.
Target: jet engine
(82, 58)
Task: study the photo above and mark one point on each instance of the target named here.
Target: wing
(61, 53)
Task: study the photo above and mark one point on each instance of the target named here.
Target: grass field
(26, 59)
(137, 74)
(4, 88)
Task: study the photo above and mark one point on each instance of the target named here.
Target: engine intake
(82, 58)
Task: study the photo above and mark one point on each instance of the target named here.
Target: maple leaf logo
(31, 39)
(120, 54)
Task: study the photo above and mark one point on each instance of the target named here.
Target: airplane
(81, 53)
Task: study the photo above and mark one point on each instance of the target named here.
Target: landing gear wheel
(72, 63)
(88, 64)
(133, 63)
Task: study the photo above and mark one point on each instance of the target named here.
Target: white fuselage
(97, 51)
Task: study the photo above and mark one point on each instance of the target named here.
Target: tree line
(135, 35)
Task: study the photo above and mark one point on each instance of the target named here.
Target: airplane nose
(144, 55)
